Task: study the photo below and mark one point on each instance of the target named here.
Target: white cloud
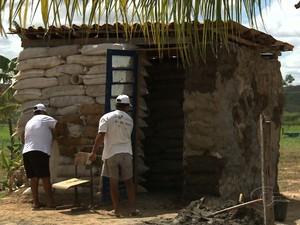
(281, 22)
(10, 46)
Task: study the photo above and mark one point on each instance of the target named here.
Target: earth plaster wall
(223, 101)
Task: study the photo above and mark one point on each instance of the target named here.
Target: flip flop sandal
(40, 206)
(49, 207)
(135, 212)
(111, 213)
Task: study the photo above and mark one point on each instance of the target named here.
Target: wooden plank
(86, 41)
(266, 161)
(66, 184)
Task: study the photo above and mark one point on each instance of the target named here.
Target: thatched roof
(135, 34)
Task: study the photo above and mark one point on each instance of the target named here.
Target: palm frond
(6, 111)
(184, 13)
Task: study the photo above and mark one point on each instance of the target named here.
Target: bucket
(280, 208)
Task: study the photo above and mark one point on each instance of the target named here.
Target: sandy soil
(16, 210)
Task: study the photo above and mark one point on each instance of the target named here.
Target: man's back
(118, 126)
(38, 134)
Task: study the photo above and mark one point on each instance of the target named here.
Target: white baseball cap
(123, 99)
(39, 107)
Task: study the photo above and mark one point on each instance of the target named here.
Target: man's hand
(92, 156)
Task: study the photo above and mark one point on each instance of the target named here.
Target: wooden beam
(266, 161)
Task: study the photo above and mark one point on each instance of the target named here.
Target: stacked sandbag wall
(70, 81)
(163, 143)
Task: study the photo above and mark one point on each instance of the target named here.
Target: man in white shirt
(36, 152)
(114, 131)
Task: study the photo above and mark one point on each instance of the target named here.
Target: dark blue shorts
(36, 164)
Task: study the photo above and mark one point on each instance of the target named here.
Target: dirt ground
(16, 210)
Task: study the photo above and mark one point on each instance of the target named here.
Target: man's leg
(130, 192)
(114, 194)
(34, 185)
(48, 191)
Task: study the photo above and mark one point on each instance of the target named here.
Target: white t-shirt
(118, 127)
(38, 134)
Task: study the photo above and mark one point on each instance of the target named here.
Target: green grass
(5, 137)
(4, 142)
(289, 161)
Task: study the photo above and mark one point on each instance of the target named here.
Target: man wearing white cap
(114, 131)
(36, 152)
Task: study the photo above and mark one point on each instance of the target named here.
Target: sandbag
(39, 63)
(39, 52)
(141, 189)
(140, 152)
(100, 100)
(94, 109)
(144, 72)
(68, 170)
(90, 131)
(62, 101)
(70, 118)
(142, 168)
(72, 109)
(27, 94)
(30, 104)
(94, 79)
(65, 69)
(97, 69)
(142, 123)
(64, 51)
(86, 60)
(33, 52)
(95, 90)
(65, 90)
(64, 79)
(101, 49)
(142, 113)
(29, 74)
(140, 134)
(143, 91)
(142, 104)
(38, 82)
(75, 130)
(91, 119)
(64, 160)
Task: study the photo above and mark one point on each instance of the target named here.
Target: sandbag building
(197, 127)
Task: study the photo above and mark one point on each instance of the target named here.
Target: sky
(280, 20)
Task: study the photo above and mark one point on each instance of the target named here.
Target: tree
(288, 80)
(184, 14)
(8, 105)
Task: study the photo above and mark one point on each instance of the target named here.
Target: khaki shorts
(118, 166)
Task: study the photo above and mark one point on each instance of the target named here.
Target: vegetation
(289, 79)
(288, 176)
(10, 153)
(292, 99)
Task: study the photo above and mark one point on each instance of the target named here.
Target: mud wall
(223, 101)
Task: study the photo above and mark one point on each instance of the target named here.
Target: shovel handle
(236, 207)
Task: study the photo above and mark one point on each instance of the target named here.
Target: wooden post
(267, 184)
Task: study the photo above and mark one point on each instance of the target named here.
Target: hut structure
(197, 127)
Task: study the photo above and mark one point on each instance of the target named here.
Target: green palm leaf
(217, 15)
